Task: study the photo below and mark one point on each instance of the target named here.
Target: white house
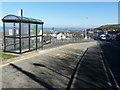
(54, 35)
(61, 36)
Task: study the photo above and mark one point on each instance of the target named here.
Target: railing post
(20, 37)
(36, 35)
(42, 38)
(4, 36)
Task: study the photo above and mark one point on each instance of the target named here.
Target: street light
(86, 29)
(85, 33)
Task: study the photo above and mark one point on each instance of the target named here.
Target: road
(111, 51)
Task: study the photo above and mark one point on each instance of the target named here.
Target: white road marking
(111, 72)
(109, 83)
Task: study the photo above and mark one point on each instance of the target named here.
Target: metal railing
(1, 45)
(72, 40)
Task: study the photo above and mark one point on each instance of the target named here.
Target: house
(61, 36)
(54, 35)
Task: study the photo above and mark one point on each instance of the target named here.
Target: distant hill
(109, 27)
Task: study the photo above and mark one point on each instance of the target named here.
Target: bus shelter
(22, 34)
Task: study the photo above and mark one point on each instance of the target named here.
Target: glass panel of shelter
(24, 30)
(32, 43)
(12, 37)
(12, 44)
(25, 44)
(12, 29)
(39, 36)
(33, 29)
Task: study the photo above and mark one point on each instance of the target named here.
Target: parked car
(118, 37)
(103, 37)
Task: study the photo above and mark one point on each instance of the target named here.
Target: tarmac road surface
(111, 51)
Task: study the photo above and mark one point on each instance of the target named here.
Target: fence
(1, 44)
(71, 40)
(48, 40)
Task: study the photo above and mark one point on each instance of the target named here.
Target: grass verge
(5, 56)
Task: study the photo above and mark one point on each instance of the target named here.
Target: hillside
(110, 27)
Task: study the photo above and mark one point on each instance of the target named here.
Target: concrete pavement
(52, 69)
(91, 72)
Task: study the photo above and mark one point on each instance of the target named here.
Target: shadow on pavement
(41, 65)
(34, 77)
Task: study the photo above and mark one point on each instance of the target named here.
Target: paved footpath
(91, 72)
(52, 69)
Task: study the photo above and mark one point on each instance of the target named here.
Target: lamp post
(86, 29)
(85, 33)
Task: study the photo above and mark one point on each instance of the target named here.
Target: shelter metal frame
(22, 32)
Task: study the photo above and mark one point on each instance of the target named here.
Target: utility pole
(20, 13)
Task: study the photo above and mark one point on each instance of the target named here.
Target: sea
(1, 29)
(59, 29)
